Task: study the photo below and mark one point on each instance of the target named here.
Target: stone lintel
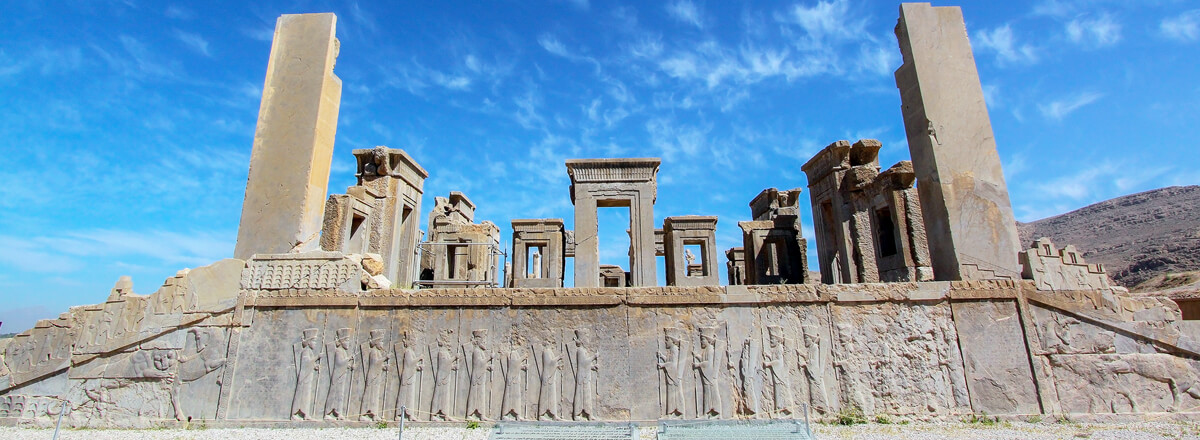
(691, 222)
(537, 225)
(612, 170)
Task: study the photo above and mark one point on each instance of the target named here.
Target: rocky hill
(1138, 237)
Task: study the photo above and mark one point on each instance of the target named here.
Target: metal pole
(403, 411)
(58, 424)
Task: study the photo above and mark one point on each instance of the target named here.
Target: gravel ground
(914, 431)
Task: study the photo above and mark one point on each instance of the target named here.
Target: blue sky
(126, 126)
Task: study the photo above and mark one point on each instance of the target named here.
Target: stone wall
(931, 350)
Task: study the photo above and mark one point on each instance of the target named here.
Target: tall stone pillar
(293, 144)
(968, 216)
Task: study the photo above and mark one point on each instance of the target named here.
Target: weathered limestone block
(380, 215)
(457, 252)
(989, 335)
(1054, 269)
(964, 199)
(310, 270)
(869, 225)
(293, 143)
(894, 359)
(736, 266)
(775, 251)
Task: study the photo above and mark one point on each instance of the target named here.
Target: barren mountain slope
(1136, 237)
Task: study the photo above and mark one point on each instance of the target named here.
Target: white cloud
(686, 12)
(179, 13)
(1002, 41)
(1099, 31)
(1060, 108)
(362, 17)
(827, 20)
(672, 139)
(878, 60)
(1182, 27)
(552, 45)
(193, 41)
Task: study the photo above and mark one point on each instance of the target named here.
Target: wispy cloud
(194, 42)
(1092, 32)
(1001, 41)
(673, 139)
(1060, 108)
(363, 18)
(828, 20)
(1183, 27)
(686, 12)
(265, 33)
(179, 13)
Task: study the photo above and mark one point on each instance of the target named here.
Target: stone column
(587, 249)
(968, 216)
(293, 143)
(642, 268)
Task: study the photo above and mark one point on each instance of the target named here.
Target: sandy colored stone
(968, 216)
(293, 142)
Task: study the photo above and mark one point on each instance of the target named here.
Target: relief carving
(514, 366)
(341, 363)
(445, 364)
(410, 366)
(707, 366)
(749, 375)
(671, 363)
(584, 364)
(549, 365)
(375, 363)
(775, 365)
(479, 370)
(811, 361)
(307, 359)
(209, 357)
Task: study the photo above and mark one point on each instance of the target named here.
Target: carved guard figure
(585, 364)
(308, 362)
(341, 363)
(445, 364)
(706, 364)
(479, 369)
(671, 363)
(375, 363)
(410, 365)
(775, 363)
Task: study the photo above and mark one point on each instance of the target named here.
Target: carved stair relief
(708, 369)
(549, 364)
(376, 360)
(514, 367)
(584, 365)
(307, 357)
(775, 367)
(445, 365)
(479, 371)
(671, 364)
(410, 366)
(341, 361)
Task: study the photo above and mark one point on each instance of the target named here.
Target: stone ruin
(336, 311)
(869, 224)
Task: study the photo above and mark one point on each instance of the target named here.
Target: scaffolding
(491, 277)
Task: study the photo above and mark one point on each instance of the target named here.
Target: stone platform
(206, 348)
